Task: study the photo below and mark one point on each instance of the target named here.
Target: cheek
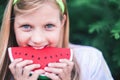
(54, 38)
(21, 38)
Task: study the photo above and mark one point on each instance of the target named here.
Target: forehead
(44, 12)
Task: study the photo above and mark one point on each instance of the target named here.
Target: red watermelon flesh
(40, 56)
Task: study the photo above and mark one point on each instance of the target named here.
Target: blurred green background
(95, 23)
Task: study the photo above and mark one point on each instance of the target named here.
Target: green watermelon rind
(43, 77)
(12, 59)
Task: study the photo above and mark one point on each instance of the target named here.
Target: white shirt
(91, 63)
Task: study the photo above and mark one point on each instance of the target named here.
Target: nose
(38, 37)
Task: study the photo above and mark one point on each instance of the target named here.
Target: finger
(24, 63)
(57, 65)
(66, 61)
(58, 68)
(69, 63)
(67, 71)
(20, 65)
(53, 70)
(12, 66)
(58, 71)
(36, 74)
(52, 76)
(61, 69)
(29, 68)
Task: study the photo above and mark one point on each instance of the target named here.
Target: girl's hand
(21, 70)
(59, 71)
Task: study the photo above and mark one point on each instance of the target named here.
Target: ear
(63, 20)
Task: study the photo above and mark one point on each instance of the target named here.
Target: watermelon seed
(26, 54)
(19, 53)
(45, 57)
(32, 56)
(38, 58)
(56, 55)
(46, 64)
(50, 56)
(15, 52)
(61, 54)
(67, 54)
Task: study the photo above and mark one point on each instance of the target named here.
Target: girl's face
(39, 29)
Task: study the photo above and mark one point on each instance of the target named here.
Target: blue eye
(26, 27)
(49, 26)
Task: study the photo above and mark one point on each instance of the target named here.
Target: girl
(40, 24)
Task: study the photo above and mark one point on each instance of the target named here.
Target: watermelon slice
(40, 56)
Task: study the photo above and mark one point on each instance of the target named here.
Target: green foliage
(97, 23)
(2, 7)
(116, 30)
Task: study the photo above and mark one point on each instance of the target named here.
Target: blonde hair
(7, 32)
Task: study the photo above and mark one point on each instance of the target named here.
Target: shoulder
(91, 62)
(87, 55)
(87, 51)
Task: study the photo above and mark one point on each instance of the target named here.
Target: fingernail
(46, 73)
(45, 68)
(38, 65)
(31, 61)
(20, 59)
(49, 64)
(60, 60)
